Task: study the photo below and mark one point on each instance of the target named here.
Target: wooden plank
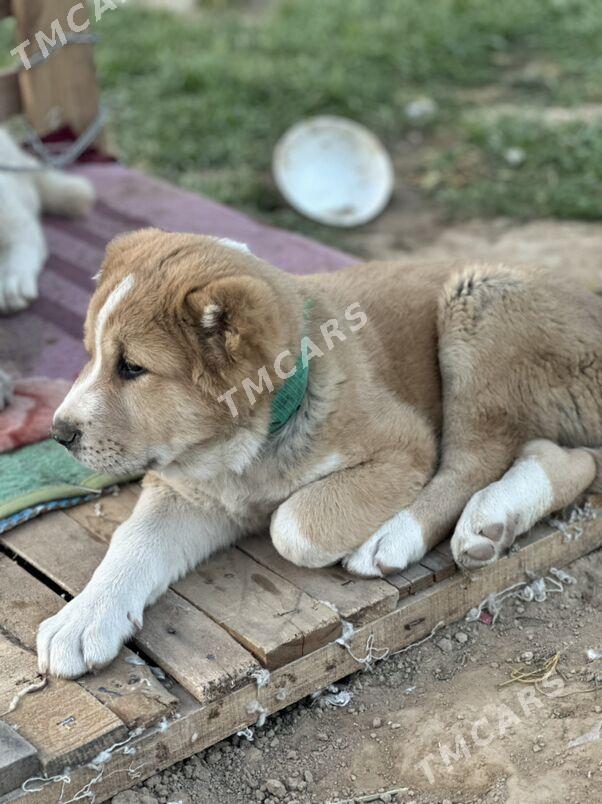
(103, 516)
(18, 759)
(419, 578)
(62, 90)
(356, 599)
(402, 584)
(10, 94)
(129, 690)
(193, 649)
(62, 721)
(445, 549)
(441, 566)
(269, 616)
(59, 548)
(451, 599)
(68, 554)
(185, 643)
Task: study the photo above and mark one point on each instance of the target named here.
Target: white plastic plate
(333, 171)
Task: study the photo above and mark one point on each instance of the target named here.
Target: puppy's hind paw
(483, 534)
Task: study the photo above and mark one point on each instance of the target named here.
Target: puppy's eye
(129, 371)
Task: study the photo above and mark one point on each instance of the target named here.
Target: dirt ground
(433, 724)
(414, 229)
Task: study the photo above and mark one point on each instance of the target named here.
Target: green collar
(289, 397)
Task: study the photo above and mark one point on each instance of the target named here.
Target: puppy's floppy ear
(235, 317)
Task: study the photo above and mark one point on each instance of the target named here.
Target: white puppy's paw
(6, 389)
(18, 288)
(395, 545)
(487, 529)
(86, 634)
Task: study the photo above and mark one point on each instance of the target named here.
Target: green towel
(44, 472)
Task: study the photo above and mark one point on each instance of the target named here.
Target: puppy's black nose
(65, 433)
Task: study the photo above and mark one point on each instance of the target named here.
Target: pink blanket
(28, 417)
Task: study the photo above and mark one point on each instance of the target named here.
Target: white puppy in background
(23, 196)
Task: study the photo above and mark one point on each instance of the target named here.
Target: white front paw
(86, 634)
(395, 545)
(18, 288)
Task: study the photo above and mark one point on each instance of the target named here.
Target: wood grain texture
(63, 89)
(63, 722)
(413, 579)
(269, 616)
(193, 649)
(414, 619)
(356, 599)
(182, 640)
(440, 565)
(420, 577)
(10, 94)
(445, 549)
(58, 547)
(103, 516)
(129, 690)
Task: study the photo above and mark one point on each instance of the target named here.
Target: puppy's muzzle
(66, 433)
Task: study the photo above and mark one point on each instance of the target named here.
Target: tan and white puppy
(434, 398)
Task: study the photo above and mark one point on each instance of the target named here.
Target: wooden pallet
(245, 609)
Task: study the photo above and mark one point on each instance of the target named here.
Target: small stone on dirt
(275, 788)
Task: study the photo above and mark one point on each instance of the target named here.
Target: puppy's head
(175, 322)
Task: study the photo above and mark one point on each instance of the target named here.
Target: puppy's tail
(64, 194)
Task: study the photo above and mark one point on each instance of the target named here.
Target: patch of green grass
(202, 99)
(524, 169)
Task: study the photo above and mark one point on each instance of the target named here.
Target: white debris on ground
(332, 696)
(570, 526)
(535, 589)
(135, 660)
(590, 737)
